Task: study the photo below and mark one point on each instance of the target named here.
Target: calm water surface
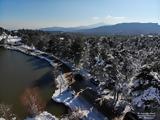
(19, 71)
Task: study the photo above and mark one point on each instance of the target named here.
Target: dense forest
(125, 67)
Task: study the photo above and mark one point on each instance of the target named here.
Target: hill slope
(125, 28)
(121, 29)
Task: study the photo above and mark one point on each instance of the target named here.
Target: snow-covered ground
(75, 102)
(150, 94)
(9, 38)
(3, 36)
(2, 119)
(43, 116)
(13, 39)
(37, 53)
(14, 118)
(78, 104)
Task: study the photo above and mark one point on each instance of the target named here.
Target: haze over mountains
(120, 29)
(71, 29)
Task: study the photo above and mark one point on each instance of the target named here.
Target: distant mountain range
(72, 29)
(120, 29)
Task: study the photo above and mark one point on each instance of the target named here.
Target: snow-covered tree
(7, 113)
(145, 90)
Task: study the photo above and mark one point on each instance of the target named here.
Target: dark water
(19, 71)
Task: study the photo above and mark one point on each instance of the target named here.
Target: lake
(18, 72)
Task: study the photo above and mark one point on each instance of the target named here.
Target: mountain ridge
(72, 29)
(121, 29)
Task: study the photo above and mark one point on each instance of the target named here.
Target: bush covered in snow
(145, 91)
(6, 112)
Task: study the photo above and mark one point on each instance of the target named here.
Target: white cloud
(95, 18)
(110, 19)
(114, 19)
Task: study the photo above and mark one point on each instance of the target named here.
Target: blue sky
(46, 13)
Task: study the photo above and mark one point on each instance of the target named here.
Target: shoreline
(82, 103)
(30, 54)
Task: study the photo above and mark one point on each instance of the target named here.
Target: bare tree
(32, 101)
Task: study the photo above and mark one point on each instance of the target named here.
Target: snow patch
(149, 94)
(43, 116)
(13, 39)
(2, 119)
(67, 96)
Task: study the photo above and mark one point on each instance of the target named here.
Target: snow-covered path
(77, 103)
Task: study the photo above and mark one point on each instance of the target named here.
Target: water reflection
(18, 72)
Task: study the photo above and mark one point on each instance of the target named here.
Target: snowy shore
(24, 49)
(67, 96)
(76, 103)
